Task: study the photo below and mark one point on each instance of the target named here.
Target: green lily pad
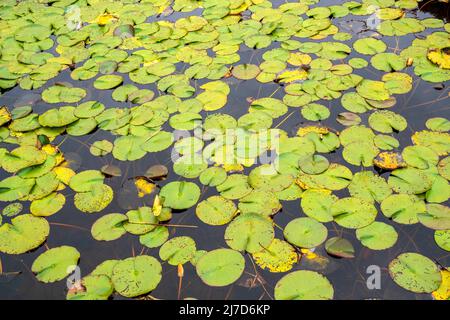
(61, 93)
(216, 211)
(442, 238)
(305, 232)
(178, 250)
(409, 180)
(317, 204)
(403, 208)
(386, 121)
(213, 176)
(415, 272)
(304, 285)
(107, 82)
(25, 233)
(83, 181)
(155, 238)
(340, 247)
(48, 205)
(15, 188)
(133, 277)
(55, 264)
(377, 236)
(109, 227)
(12, 210)
(353, 213)
(261, 202)
(180, 195)
(220, 267)
(234, 187)
(368, 186)
(249, 232)
(436, 217)
(246, 71)
(94, 200)
(420, 157)
(369, 46)
(93, 287)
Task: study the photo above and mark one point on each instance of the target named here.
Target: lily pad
(415, 272)
(220, 267)
(55, 264)
(216, 211)
(109, 227)
(280, 256)
(249, 232)
(133, 277)
(178, 250)
(353, 213)
(180, 195)
(304, 285)
(305, 232)
(377, 236)
(25, 233)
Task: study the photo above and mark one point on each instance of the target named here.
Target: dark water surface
(348, 276)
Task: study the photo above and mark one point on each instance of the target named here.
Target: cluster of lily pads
(174, 76)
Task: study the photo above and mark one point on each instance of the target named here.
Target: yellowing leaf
(439, 57)
(105, 18)
(64, 174)
(280, 256)
(5, 116)
(389, 161)
(443, 292)
(293, 75)
(157, 206)
(233, 167)
(308, 254)
(50, 150)
(144, 187)
(303, 131)
(298, 59)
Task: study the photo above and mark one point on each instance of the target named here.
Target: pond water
(348, 276)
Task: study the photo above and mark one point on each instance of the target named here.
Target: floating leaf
(92, 287)
(220, 267)
(442, 238)
(353, 213)
(13, 209)
(340, 247)
(55, 264)
(368, 186)
(48, 205)
(155, 238)
(25, 233)
(304, 285)
(180, 195)
(178, 250)
(316, 203)
(403, 208)
(415, 272)
(133, 277)
(305, 232)
(278, 257)
(249, 232)
(436, 217)
(107, 82)
(109, 227)
(94, 200)
(216, 211)
(245, 71)
(377, 236)
(409, 180)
